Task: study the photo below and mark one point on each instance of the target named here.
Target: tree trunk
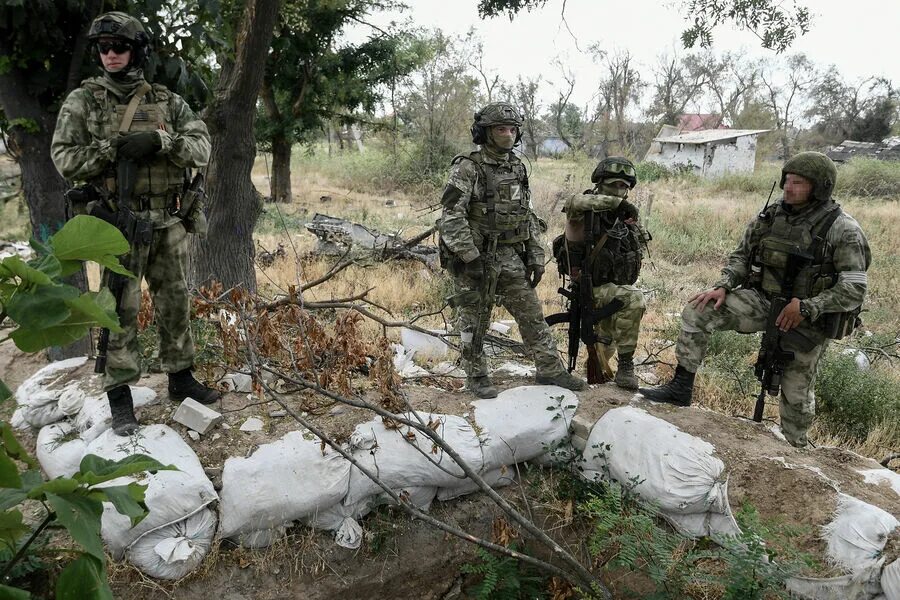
(234, 203)
(281, 170)
(42, 184)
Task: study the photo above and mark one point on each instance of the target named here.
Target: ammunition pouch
(138, 232)
(836, 326)
(191, 207)
(78, 198)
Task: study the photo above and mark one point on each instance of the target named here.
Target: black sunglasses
(117, 47)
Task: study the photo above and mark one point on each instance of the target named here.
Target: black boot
(183, 385)
(481, 386)
(121, 406)
(678, 391)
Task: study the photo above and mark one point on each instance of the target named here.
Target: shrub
(853, 402)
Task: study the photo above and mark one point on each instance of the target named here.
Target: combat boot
(481, 386)
(563, 380)
(677, 392)
(121, 406)
(625, 377)
(183, 385)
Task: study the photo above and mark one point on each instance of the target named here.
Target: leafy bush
(868, 177)
(504, 578)
(651, 171)
(758, 182)
(853, 402)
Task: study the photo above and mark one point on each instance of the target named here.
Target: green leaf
(128, 500)
(89, 238)
(42, 307)
(48, 264)
(10, 497)
(84, 579)
(13, 448)
(67, 267)
(103, 315)
(17, 267)
(81, 516)
(5, 392)
(94, 469)
(12, 528)
(9, 472)
(39, 246)
(60, 485)
(31, 340)
(11, 593)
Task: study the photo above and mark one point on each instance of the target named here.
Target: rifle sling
(128, 117)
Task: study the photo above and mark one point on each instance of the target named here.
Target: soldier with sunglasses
(118, 118)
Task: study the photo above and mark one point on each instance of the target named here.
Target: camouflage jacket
(846, 248)
(466, 185)
(82, 150)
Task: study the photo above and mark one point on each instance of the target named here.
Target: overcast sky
(858, 36)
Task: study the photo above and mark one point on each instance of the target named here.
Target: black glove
(534, 274)
(138, 145)
(474, 269)
(626, 211)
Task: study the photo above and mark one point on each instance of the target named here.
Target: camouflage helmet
(496, 113)
(615, 168)
(816, 167)
(121, 25)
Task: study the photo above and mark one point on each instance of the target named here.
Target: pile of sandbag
(50, 395)
(178, 530)
(297, 479)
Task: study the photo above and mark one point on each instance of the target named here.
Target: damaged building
(709, 152)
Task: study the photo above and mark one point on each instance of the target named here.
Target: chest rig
(782, 241)
(503, 207)
(159, 181)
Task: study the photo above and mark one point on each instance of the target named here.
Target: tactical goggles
(626, 170)
(119, 47)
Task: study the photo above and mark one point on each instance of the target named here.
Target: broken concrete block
(581, 426)
(501, 328)
(193, 435)
(196, 416)
(238, 382)
(252, 424)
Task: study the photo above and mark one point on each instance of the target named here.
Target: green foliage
(75, 504)
(651, 171)
(868, 177)
(503, 578)
(47, 311)
(851, 402)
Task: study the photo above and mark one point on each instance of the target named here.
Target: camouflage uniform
(835, 283)
(519, 254)
(86, 147)
(82, 152)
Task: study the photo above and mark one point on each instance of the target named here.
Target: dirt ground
(785, 484)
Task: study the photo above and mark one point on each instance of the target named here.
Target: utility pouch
(836, 326)
(77, 199)
(190, 210)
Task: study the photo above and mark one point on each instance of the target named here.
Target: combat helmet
(121, 25)
(496, 113)
(615, 168)
(816, 167)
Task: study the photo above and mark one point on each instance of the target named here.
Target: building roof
(708, 135)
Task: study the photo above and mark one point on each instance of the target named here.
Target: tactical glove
(626, 211)
(534, 274)
(474, 269)
(138, 145)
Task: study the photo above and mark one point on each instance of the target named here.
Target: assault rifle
(582, 317)
(137, 231)
(487, 294)
(773, 358)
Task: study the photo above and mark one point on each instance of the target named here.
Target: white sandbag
(38, 396)
(171, 496)
(95, 417)
(424, 346)
(404, 365)
(523, 423)
(669, 468)
(496, 478)
(404, 458)
(890, 581)
(262, 538)
(857, 534)
(173, 551)
(59, 449)
(280, 482)
(880, 477)
(846, 587)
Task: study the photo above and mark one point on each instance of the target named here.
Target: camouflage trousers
(162, 264)
(623, 326)
(746, 311)
(519, 298)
